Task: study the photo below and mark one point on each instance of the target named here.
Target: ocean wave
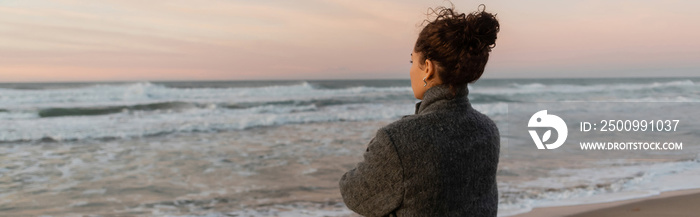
(492, 109)
(114, 95)
(178, 106)
(124, 125)
(674, 83)
(58, 112)
(318, 102)
(177, 117)
(491, 98)
(529, 86)
(535, 88)
(664, 99)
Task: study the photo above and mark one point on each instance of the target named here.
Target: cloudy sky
(106, 40)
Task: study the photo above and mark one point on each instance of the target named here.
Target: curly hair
(458, 43)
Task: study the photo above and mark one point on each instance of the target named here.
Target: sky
(128, 40)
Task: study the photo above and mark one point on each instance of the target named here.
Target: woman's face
(417, 73)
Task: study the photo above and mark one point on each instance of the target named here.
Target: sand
(673, 203)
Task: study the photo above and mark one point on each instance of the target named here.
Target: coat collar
(438, 93)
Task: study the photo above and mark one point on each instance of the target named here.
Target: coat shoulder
(405, 124)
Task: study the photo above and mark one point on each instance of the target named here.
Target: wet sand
(673, 203)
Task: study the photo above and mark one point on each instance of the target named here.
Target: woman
(442, 160)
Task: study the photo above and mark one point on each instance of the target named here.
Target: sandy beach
(673, 203)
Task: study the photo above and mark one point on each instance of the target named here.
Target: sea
(278, 148)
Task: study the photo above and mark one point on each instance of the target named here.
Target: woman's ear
(429, 69)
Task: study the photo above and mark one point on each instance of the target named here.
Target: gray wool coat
(441, 161)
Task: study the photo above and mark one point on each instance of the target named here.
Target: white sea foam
(492, 109)
(530, 88)
(144, 123)
(144, 109)
(146, 92)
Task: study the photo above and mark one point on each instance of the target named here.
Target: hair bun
(458, 43)
(482, 28)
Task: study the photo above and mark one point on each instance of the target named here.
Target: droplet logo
(542, 119)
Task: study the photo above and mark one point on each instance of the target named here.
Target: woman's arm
(375, 186)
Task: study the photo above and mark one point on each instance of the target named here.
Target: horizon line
(323, 79)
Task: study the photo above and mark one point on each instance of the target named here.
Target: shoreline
(652, 206)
